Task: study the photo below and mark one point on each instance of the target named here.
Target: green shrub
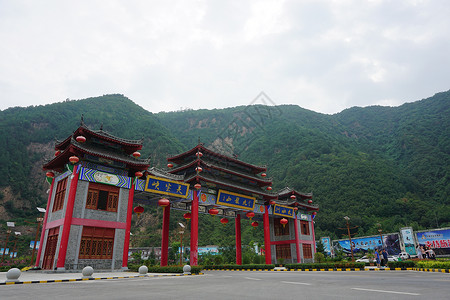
(327, 265)
(240, 267)
(402, 264)
(433, 264)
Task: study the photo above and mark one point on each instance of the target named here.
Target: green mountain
(387, 165)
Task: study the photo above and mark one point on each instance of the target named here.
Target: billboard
(408, 240)
(438, 240)
(363, 244)
(326, 241)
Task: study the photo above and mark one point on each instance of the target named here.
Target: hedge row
(433, 264)
(402, 264)
(240, 267)
(169, 269)
(328, 265)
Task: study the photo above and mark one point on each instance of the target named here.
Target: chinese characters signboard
(235, 200)
(166, 187)
(284, 211)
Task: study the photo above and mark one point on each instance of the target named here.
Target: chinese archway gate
(100, 177)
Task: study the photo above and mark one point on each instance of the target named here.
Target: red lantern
(269, 188)
(314, 213)
(295, 208)
(187, 216)
(250, 215)
(74, 159)
(293, 197)
(198, 186)
(199, 154)
(213, 211)
(138, 210)
(170, 166)
(224, 221)
(263, 175)
(136, 154)
(57, 153)
(310, 201)
(80, 139)
(255, 224)
(198, 169)
(163, 202)
(50, 174)
(138, 174)
(272, 202)
(284, 222)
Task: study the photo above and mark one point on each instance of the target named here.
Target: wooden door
(50, 248)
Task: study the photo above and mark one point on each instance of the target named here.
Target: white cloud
(321, 55)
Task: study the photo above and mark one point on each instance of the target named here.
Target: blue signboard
(361, 245)
(284, 211)
(326, 242)
(235, 200)
(166, 186)
(438, 240)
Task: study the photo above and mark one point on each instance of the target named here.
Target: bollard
(13, 275)
(187, 270)
(143, 270)
(87, 272)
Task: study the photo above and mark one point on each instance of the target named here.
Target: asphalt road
(249, 285)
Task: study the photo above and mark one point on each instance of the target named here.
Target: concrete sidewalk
(45, 277)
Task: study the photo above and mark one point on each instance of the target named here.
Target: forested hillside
(376, 164)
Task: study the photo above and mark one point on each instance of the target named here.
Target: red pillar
(165, 236)
(126, 243)
(194, 230)
(297, 240)
(67, 220)
(238, 240)
(44, 224)
(267, 236)
(313, 235)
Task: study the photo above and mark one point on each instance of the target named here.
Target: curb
(97, 278)
(432, 270)
(319, 270)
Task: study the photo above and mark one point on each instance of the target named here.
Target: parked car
(365, 259)
(404, 256)
(392, 258)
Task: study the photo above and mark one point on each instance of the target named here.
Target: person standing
(377, 257)
(419, 252)
(385, 258)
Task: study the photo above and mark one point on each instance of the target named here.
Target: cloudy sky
(169, 55)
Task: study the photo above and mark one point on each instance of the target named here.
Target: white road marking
(250, 278)
(292, 282)
(381, 291)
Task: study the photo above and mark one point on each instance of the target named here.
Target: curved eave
(131, 145)
(293, 203)
(287, 192)
(160, 173)
(75, 148)
(178, 158)
(197, 177)
(129, 161)
(260, 181)
(58, 162)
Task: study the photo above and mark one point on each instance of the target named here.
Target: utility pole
(6, 244)
(38, 221)
(349, 235)
(381, 237)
